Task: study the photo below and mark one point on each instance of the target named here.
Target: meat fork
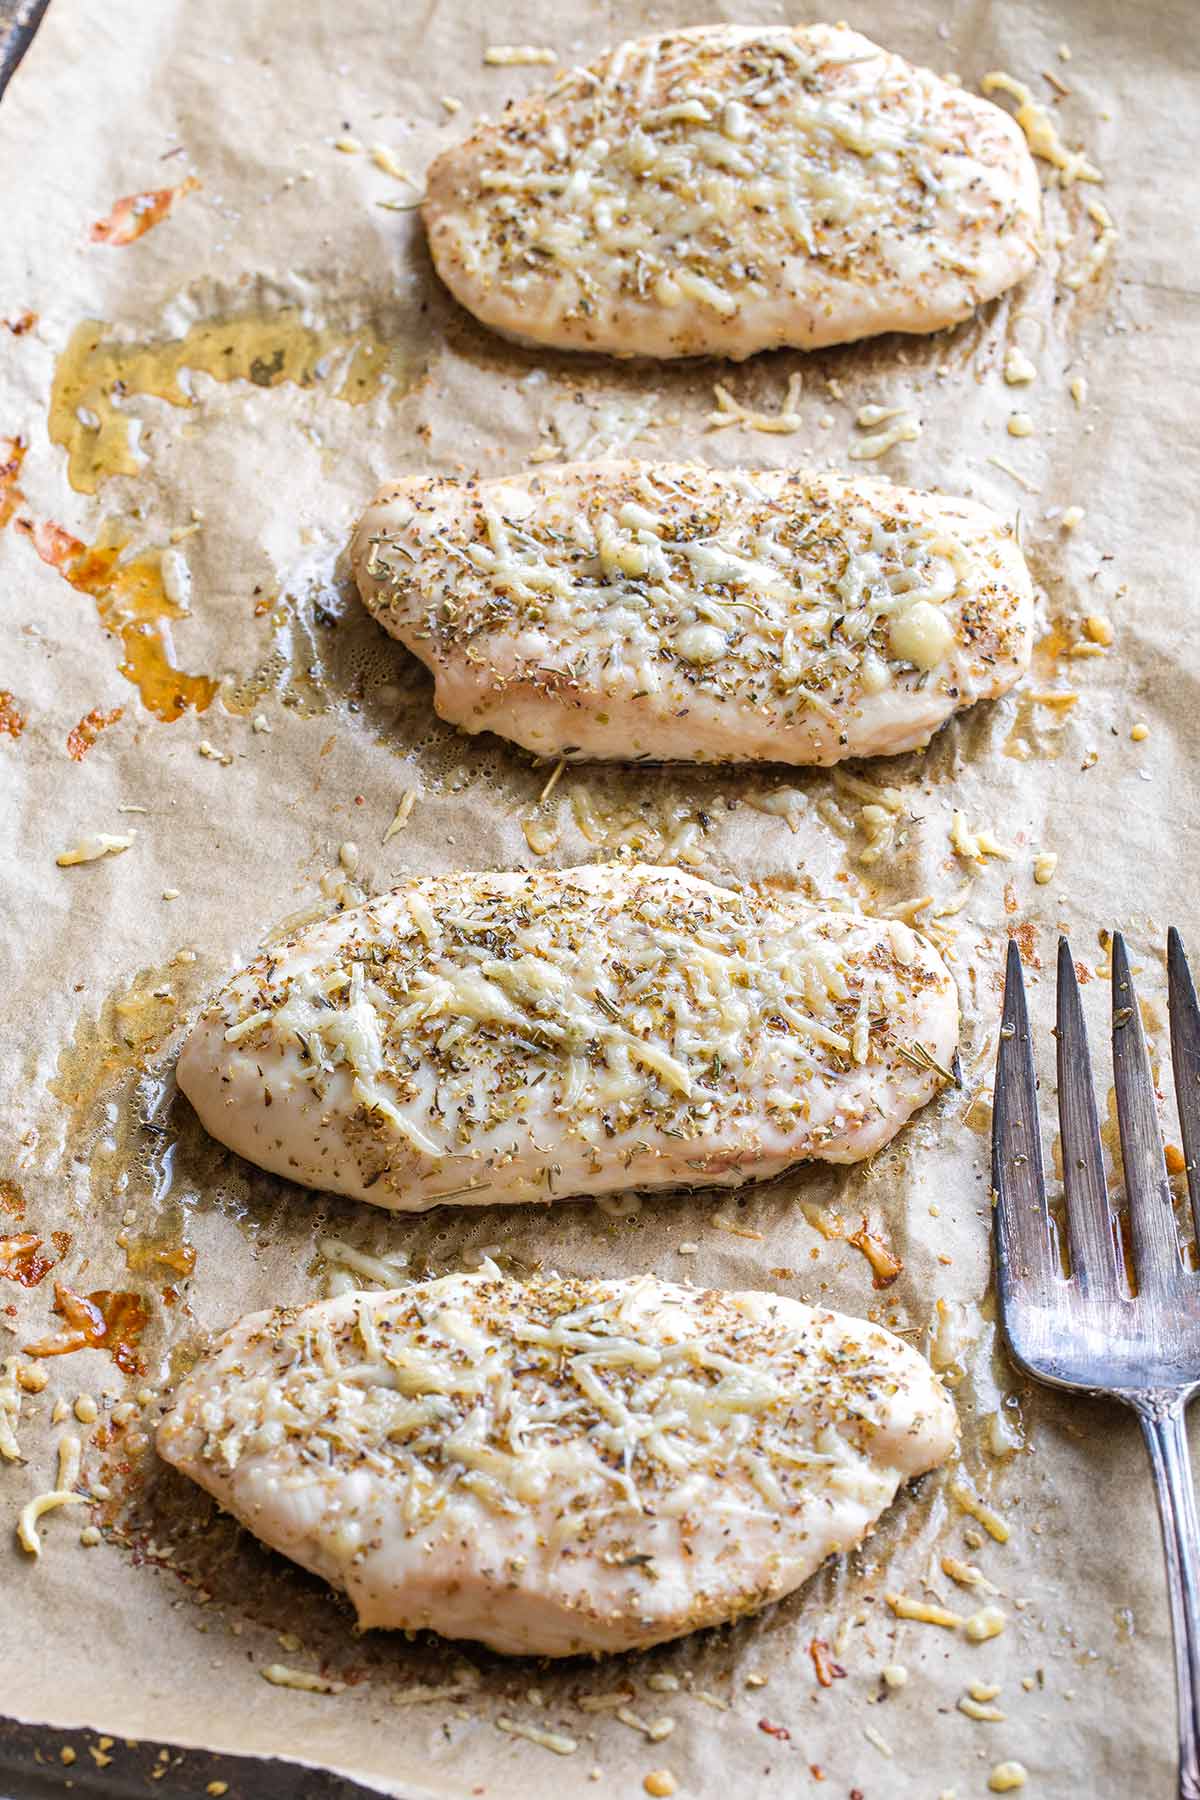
(1084, 1330)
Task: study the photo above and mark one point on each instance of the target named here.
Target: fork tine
(1094, 1263)
(1185, 1058)
(1156, 1258)
(1024, 1252)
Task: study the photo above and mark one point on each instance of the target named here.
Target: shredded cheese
(732, 412)
(967, 1575)
(950, 1336)
(466, 1681)
(1018, 369)
(385, 159)
(306, 1681)
(975, 1709)
(655, 1730)
(906, 430)
(91, 849)
(975, 846)
(998, 462)
(783, 803)
(35, 1509)
(558, 1741)
(384, 1271)
(970, 1503)
(1041, 132)
(516, 56)
(408, 800)
(1100, 251)
(10, 1410)
(605, 1702)
(70, 1457)
(245, 1027)
(905, 1607)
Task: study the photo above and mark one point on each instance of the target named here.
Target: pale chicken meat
(725, 190)
(671, 611)
(537, 1035)
(561, 1466)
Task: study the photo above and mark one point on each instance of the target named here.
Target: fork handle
(1165, 1431)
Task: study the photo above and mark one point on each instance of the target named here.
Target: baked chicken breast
(542, 1034)
(671, 611)
(725, 190)
(559, 1466)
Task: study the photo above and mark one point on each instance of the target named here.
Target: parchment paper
(163, 1628)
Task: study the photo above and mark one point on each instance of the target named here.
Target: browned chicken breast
(666, 610)
(559, 1466)
(529, 1036)
(725, 190)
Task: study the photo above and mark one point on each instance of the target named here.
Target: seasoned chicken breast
(529, 1036)
(666, 610)
(560, 1466)
(726, 190)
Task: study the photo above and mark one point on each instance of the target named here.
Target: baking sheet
(354, 366)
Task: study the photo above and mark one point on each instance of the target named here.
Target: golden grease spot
(132, 602)
(12, 455)
(12, 1200)
(148, 1256)
(134, 214)
(101, 1321)
(268, 348)
(1038, 727)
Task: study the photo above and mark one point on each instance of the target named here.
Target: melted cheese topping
(10, 1410)
(787, 595)
(565, 1420)
(704, 172)
(633, 1017)
(1040, 130)
(1100, 251)
(517, 1390)
(35, 1510)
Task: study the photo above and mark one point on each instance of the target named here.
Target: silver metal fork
(1071, 1320)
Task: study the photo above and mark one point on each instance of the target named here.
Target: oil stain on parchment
(267, 346)
(133, 604)
(130, 592)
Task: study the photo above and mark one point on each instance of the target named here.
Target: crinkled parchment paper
(281, 347)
